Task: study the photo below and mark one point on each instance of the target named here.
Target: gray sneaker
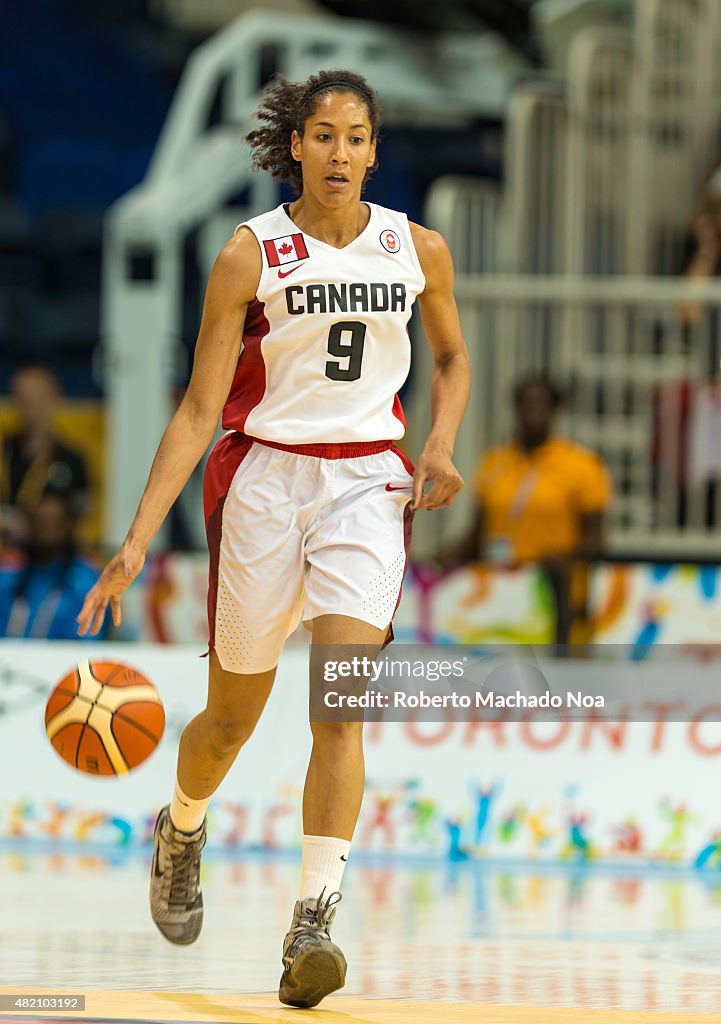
(176, 902)
(313, 966)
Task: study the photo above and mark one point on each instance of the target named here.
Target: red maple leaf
(285, 248)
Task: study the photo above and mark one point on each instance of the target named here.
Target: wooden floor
(265, 1009)
(433, 945)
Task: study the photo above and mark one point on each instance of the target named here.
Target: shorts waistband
(344, 450)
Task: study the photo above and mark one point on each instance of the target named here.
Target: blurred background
(568, 152)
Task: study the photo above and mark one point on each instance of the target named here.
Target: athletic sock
(324, 860)
(186, 814)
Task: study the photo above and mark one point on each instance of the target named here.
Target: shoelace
(317, 917)
(312, 921)
(324, 909)
(183, 871)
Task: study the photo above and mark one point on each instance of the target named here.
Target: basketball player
(307, 499)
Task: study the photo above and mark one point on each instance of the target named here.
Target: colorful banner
(560, 790)
(636, 606)
(473, 604)
(649, 606)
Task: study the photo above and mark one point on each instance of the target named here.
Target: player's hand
(115, 578)
(437, 469)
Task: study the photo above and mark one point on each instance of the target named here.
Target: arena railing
(643, 391)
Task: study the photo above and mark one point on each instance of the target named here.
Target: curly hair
(287, 106)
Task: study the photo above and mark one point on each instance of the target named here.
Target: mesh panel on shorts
(382, 594)
(231, 633)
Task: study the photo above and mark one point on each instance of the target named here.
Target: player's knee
(229, 734)
(336, 733)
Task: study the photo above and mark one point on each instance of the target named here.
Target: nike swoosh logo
(389, 488)
(343, 858)
(291, 271)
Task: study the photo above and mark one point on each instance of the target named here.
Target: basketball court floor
(426, 942)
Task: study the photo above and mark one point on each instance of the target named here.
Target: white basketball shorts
(301, 532)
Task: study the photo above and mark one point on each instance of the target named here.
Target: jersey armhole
(263, 260)
(414, 257)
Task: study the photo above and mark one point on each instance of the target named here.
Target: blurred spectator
(706, 253)
(540, 499)
(685, 411)
(35, 461)
(42, 591)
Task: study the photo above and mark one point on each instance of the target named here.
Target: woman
(306, 499)
(541, 500)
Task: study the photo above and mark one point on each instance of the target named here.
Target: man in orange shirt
(541, 499)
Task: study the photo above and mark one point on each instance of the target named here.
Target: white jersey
(325, 343)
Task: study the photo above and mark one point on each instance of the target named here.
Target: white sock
(186, 814)
(324, 860)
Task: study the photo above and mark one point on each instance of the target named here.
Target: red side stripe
(397, 411)
(248, 385)
(408, 514)
(221, 467)
(407, 464)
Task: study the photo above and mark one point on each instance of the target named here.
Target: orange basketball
(104, 718)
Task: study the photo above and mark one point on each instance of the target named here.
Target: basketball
(104, 718)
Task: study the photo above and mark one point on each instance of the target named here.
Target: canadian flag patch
(288, 249)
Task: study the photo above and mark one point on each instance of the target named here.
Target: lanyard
(522, 494)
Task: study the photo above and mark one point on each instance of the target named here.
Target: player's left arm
(451, 381)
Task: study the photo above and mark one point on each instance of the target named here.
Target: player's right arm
(232, 286)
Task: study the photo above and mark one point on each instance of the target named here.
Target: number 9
(351, 350)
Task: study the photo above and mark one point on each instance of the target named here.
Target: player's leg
(313, 965)
(255, 600)
(208, 747)
(211, 741)
(336, 772)
(356, 552)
